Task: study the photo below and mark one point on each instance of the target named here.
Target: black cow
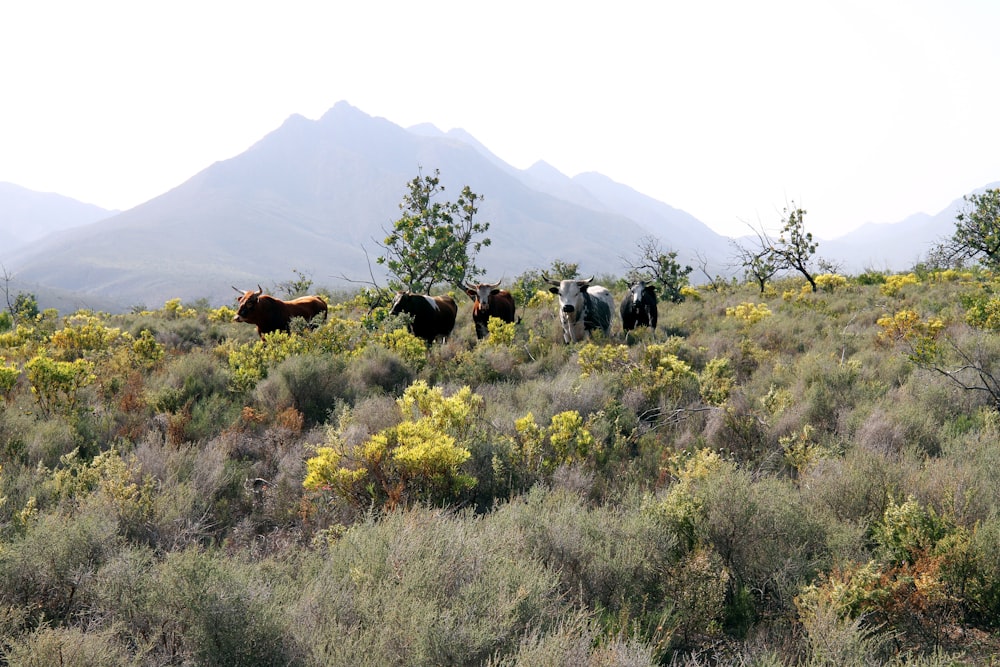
(638, 308)
(431, 316)
(489, 301)
(270, 314)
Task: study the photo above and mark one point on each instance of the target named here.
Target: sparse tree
(300, 286)
(758, 263)
(795, 246)
(661, 268)
(977, 232)
(20, 307)
(434, 241)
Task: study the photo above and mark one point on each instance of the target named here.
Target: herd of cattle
(583, 307)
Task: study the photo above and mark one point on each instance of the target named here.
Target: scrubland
(786, 478)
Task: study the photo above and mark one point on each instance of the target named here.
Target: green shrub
(378, 369)
(69, 647)
(425, 588)
(312, 384)
(43, 569)
(211, 610)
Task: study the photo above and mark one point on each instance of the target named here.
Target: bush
(425, 588)
(214, 611)
(69, 647)
(312, 384)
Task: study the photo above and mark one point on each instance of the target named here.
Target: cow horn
(237, 289)
(546, 278)
(586, 282)
(260, 290)
(494, 285)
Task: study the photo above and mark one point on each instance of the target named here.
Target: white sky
(857, 110)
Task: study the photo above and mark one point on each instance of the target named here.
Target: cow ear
(471, 292)
(494, 291)
(554, 290)
(651, 288)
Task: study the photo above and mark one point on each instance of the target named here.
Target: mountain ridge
(318, 196)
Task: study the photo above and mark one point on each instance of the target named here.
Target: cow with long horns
(271, 314)
(582, 307)
(431, 317)
(488, 300)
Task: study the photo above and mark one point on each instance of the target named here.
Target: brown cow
(489, 301)
(271, 314)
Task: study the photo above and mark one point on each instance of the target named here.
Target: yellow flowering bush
(749, 313)
(418, 459)
(893, 285)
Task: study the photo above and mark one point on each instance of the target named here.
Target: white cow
(582, 307)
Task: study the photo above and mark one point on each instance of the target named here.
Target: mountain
(895, 246)
(27, 216)
(318, 196)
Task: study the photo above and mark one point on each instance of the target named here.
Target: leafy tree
(662, 268)
(434, 242)
(25, 307)
(977, 232)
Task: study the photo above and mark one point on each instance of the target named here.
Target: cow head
(642, 293)
(480, 294)
(570, 293)
(397, 303)
(246, 304)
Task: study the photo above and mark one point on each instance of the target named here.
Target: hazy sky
(858, 111)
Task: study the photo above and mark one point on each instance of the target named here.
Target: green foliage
(977, 230)
(25, 308)
(434, 242)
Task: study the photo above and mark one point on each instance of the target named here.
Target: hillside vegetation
(786, 478)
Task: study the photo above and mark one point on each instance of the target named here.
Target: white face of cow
(570, 294)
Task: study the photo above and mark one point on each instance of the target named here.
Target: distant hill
(315, 196)
(897, 246)
(27, 216)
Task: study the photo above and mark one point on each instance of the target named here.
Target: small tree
(758, 264)
(299, 286)
(977, 232)
(662, 268)
(795, 246)
(434, 242)
(793, 250)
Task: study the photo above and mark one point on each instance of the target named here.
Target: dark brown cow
(431, 316)
(270, 314)
(489, 301)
